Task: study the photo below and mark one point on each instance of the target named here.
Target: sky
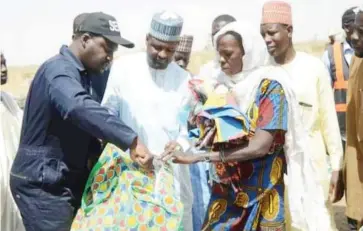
(34, 30)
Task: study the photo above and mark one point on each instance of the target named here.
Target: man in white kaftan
(311, 83)
(11, 116)
(147, 91)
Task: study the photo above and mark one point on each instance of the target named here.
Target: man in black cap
(98, 82)
(345, 47)
(348, 23)
(60, 120)
(77, 22)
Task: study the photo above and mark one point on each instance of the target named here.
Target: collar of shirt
(348, 52)
(158, 75)
(347, 48)
(66, 52)
(86, 82)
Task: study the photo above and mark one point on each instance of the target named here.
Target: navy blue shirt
(98, 84)
(61, 119)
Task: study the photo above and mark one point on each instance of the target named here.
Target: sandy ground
(340, 218)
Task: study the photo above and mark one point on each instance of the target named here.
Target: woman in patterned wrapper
(248, 188)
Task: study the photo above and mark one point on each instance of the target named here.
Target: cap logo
(113, 26)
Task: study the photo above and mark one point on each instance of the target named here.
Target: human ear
(290, 30)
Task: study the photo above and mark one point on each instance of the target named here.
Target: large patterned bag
(121, 196)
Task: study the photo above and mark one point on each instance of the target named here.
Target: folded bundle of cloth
(219, 122)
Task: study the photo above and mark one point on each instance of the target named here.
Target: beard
(4, 79)
(156, 63)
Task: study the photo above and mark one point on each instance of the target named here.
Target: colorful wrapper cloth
(220, 113)
(121, 196)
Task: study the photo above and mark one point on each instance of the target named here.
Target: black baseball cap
(78, 20)
(105, 25)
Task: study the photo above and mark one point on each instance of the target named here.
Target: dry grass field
(20, 78)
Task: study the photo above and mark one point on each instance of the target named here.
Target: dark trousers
(42, 210)
(354, 225)
(46, 192)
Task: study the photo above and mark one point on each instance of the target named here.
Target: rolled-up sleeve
(74, 103)
(329, 120)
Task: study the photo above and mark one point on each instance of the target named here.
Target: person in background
(337, 59)
(49, 172)
(183, 51)
(353, 163)
(200, 171)
(331, 38)
(11, 116)
(334, 35)
(342, 49)
(311, 83)
(201, 192)
(211, 69)
(155, 115)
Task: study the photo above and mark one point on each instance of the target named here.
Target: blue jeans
(199, 173)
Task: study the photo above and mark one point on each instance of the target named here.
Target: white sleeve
(112, 97)
(329, 126)
(183, 138)
(326, 61)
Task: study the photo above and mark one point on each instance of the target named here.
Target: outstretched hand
(140, 154)
(173, 152)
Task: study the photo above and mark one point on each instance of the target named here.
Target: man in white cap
(310, 81)
(183, 51)
(146, 91)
